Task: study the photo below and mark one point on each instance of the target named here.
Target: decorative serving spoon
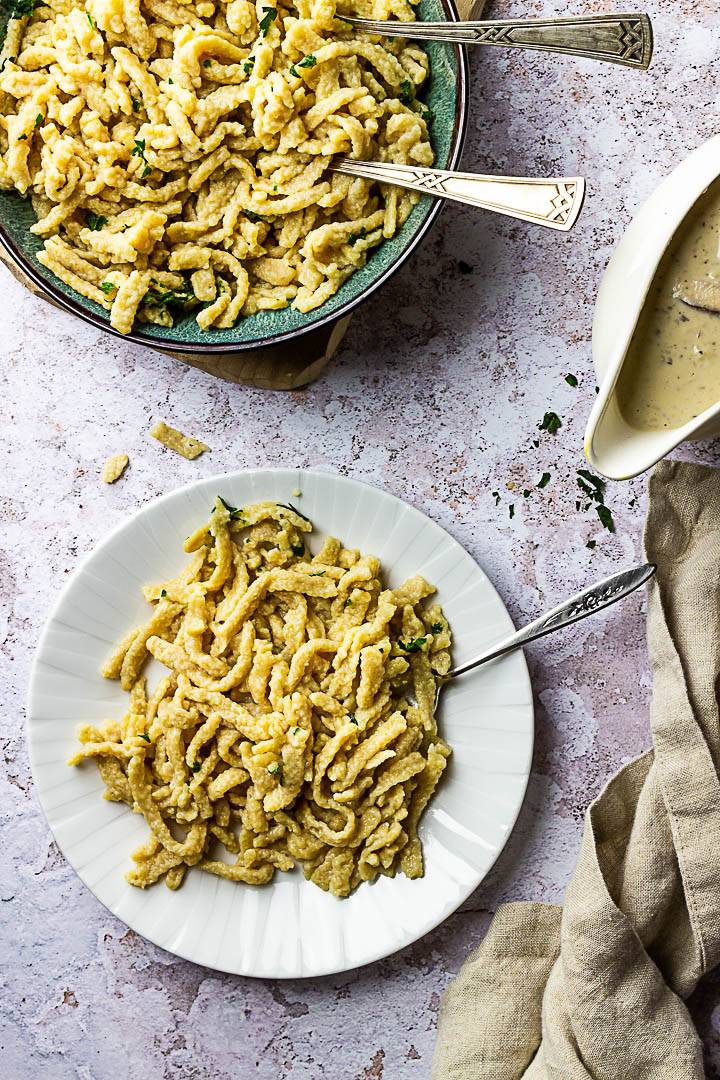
(578, 607)
(625, 39)
(554, 203)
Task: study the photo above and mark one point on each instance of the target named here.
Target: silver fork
(554, 203)
(625, 38)
(599, 596)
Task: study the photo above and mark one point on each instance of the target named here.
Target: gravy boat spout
(613, 446)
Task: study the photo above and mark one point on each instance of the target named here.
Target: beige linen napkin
(596, 988)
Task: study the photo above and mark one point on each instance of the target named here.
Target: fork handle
(578, 607)
(554, 203)
(625, 39)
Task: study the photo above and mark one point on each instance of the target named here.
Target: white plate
(289, 928)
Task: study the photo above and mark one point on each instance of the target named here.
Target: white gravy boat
(612, 446)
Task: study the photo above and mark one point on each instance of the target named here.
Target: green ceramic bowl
(446, 95)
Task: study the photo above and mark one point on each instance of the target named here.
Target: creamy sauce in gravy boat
(656, 335)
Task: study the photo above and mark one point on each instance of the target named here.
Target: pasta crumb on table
(176, 153)
(296, 720)
(175, 440)
(114, 467)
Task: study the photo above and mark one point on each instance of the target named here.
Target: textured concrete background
(436, 395)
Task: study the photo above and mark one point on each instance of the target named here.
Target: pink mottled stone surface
(436, 394)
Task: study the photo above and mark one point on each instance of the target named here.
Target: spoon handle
(578, 607)
(554, 203)
(625, 39)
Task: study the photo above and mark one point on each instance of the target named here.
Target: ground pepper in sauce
(671, 372)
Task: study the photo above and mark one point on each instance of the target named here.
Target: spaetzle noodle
(295, 723)
(176, 151)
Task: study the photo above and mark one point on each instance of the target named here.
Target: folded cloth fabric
(596, 988)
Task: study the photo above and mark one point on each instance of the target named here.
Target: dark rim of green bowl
(166, 344)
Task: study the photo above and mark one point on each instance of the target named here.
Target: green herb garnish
(235, 512)
(353, 720)
(289, 506)
(135, 103)
(348, 602)
(95, 222)
(267, 20)
(406, 93)
(107, 287)
(206, 63)
(25, 7)
(308, 61)
(511, 508)
(355, 236)
(276, 770)
(90, 20)
(159, 297)
(38, 120)
(297, 549)
(296, 731)
(248, 65)
(145, 737)
(21, 137)
(252, 216)
(571, 380)
(413, 646)
(318, 574)
(551, 423)
(436, 628)
(138, 148)
(591, 544)
(606, 518)
(170, 81)
(544, 480)
(163, 592)
(196, 766)
(426, 114)
(496, 497)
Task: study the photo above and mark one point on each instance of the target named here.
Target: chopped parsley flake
(318, 574)
(571, 380)
(544, 480)
(145, 737)
(196, 766)
(289, 506)
(95, 222)
(146, 172)
(24, 7)
(135, 103)
(496, 497)
(296, 731)
(436, 628)
(355, 236)
(107, 287)
(406, 93)
(413, 646)
(159, 297)
(90, 20)
(252, 216)
(267, 20)
(163, 592)
(206, 63)
(511, 509)
(591, 544)
(235, 512)
(308, 61)
(276, 770)
(353, 720)
(248, 65)
(606, 518)
(551, 423)
(38, 120)
(21, 137)
(171, 82)
(426, 114)
(297, 549)
(348, 602)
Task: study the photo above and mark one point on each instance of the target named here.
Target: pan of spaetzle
(164, 164)
(232, 723)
